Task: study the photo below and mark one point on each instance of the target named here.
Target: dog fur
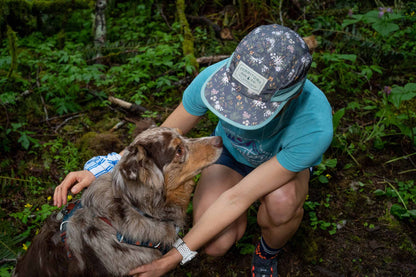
(155, 175)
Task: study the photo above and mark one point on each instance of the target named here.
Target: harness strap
(149, 244)
(67, 213)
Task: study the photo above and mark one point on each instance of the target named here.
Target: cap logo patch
(249, 78)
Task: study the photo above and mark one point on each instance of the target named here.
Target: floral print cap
(266, 70)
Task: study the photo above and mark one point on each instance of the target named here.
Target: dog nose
(217, 141)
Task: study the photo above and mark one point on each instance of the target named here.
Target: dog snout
(217, 142)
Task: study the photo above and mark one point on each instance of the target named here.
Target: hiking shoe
(261, 267)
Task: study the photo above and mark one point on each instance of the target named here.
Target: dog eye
(179, 151)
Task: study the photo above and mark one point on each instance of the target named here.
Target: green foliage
(381, 21)
(319, 170)
(405, 192)
(150, 54)
(31, 219)
(312, 208)
(211, 46)
(342, 72)
(17, 131)
(136, 78)
(246, 247)
(6, 271)
(63, 154)
(26, 16)
(35, 215)
(19, 227)
(6, 252)
(397, 109)
(379, 33)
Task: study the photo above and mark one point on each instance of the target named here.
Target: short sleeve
(309, 134)
(305, 152)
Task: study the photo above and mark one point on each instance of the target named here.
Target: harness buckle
(62, 227)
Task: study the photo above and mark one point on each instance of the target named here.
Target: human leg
(279, 217)
(281, 211)
(213, 182)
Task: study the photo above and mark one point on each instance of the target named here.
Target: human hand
(158, 267)
(77, 180)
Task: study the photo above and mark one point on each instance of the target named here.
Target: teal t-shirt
(298, 136)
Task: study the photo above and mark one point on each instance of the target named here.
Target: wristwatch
(187, 254)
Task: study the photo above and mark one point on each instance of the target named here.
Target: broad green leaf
(398, 210)
(385, 28)
(323, 179)
(24, 141)
(337, 117)
(399, 94)
(379, 192)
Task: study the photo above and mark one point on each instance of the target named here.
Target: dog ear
(137, 165)
(132, 161)
(138, 177)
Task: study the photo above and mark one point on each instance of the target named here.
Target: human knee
(283, 207)
(217, 248)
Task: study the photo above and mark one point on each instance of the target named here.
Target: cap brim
(229, 105)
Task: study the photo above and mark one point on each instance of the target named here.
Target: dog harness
(65, 214)
(148, 244)
(69, 211)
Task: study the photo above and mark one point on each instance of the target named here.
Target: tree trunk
(188, 39)
(100, 29)
(12, 49)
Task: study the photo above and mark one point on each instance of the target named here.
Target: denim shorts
(228, 160)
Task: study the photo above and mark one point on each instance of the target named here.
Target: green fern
(8, 246)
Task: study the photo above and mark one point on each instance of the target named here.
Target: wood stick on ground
(130, 107)
(211, 59)
(118, 126)
(65, 121)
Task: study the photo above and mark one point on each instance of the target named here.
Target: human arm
(225, 210)
(181, 119)
(78, 180)
(82, 179)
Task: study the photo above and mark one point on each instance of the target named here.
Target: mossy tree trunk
(12, 49)
(188, 41)
(100, 29)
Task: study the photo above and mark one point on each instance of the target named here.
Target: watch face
(188, 257)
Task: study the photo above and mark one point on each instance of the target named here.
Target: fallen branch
(118, 126)
(211, 59)
(3, 261)
(65, 121)
(130, 107)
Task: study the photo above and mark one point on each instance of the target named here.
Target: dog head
(159, 166)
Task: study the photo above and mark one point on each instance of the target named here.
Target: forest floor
(368, 240)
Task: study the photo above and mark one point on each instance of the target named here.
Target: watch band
(183, 249)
